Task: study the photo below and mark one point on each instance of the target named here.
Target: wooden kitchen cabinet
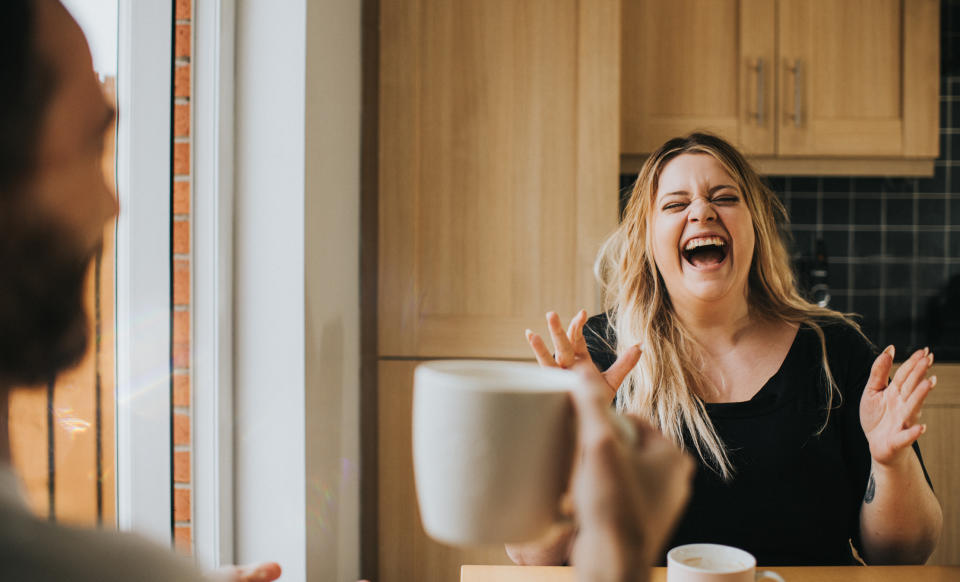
(406, 553)
(498, 154)
(698, 64)
(941, 413)
(831, 79)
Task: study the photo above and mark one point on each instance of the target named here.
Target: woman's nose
(701, 211)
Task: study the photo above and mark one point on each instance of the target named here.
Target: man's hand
(264, 572)
(629, 489)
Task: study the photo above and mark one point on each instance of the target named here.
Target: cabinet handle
(797, 70)
(759, 113)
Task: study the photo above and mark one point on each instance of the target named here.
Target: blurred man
(54, 204)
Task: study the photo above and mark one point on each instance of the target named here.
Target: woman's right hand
(570, 348)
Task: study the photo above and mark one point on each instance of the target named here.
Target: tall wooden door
(698, 65)
(858, 77)
(498, 143)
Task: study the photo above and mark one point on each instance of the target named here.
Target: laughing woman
(803, 444)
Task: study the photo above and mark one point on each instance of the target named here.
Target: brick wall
(182, 264)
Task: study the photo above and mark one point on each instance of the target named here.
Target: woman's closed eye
(726, 199)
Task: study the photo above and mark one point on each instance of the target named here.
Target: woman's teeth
(704, 241)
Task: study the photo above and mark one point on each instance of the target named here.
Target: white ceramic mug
(714, 563)
(493, 445)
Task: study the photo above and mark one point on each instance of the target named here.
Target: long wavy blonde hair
(663, 386)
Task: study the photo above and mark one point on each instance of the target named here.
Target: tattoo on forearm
(871, 489)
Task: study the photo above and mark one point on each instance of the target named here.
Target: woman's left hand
(889, 412)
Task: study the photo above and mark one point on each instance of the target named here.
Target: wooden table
(793, 574)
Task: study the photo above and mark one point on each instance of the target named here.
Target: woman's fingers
(915, 376)
(619, 370)
(880, 370)
(905, 368)
(575, 334)
(915, 402)
(564, 349)
(905, 438)
(544, 357)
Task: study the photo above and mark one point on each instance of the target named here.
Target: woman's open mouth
(705, 252)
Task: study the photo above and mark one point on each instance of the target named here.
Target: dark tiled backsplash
(892, 244)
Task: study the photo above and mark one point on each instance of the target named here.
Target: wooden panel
(406, 553)
(819, 166)
(498, 151)
(682, 64)
(850, 88)
(921, 91)
(939, 446)
(941, 414)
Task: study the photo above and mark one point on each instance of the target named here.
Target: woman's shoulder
(840, 335)
(849, 352)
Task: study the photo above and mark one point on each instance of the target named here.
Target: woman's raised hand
(570, 347)
(889, 412)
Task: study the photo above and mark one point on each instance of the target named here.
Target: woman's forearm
(900, 519)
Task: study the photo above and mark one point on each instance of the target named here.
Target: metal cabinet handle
(759, 114)
(797, 70)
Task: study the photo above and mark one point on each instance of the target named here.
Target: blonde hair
(662, 387)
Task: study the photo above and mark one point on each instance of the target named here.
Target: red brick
(181, 389)
(181, 282)
(181, 429)
(181, 237)
(181, 467)
(183, 539)
(183, 10)
(181, 81)
(181, 41)
(181, 159)
(181, 120)
(181, 356)
(181, 505)
(181, 197)
(181, 327)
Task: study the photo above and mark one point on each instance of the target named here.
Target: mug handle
(761, 574)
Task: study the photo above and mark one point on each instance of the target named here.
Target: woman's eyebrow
(676, 193)
(721, 187)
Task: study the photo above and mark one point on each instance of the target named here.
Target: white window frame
(212, 299)
(143, 300)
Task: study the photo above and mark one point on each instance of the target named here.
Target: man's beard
(43, 323)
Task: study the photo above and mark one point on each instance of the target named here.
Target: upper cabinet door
(698, 65)
(858, 77)
(498, 168)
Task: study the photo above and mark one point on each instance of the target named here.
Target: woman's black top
(794, 498)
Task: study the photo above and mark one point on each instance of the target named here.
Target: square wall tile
(836, 211)
(899, 244)
(899, 211)
(898, 277)
(866, 244)
(866, 210)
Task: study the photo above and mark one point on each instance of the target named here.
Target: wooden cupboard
(406, 553)
(941, 414)
(498, 153)
(786, 79)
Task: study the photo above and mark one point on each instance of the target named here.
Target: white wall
(297, 286)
